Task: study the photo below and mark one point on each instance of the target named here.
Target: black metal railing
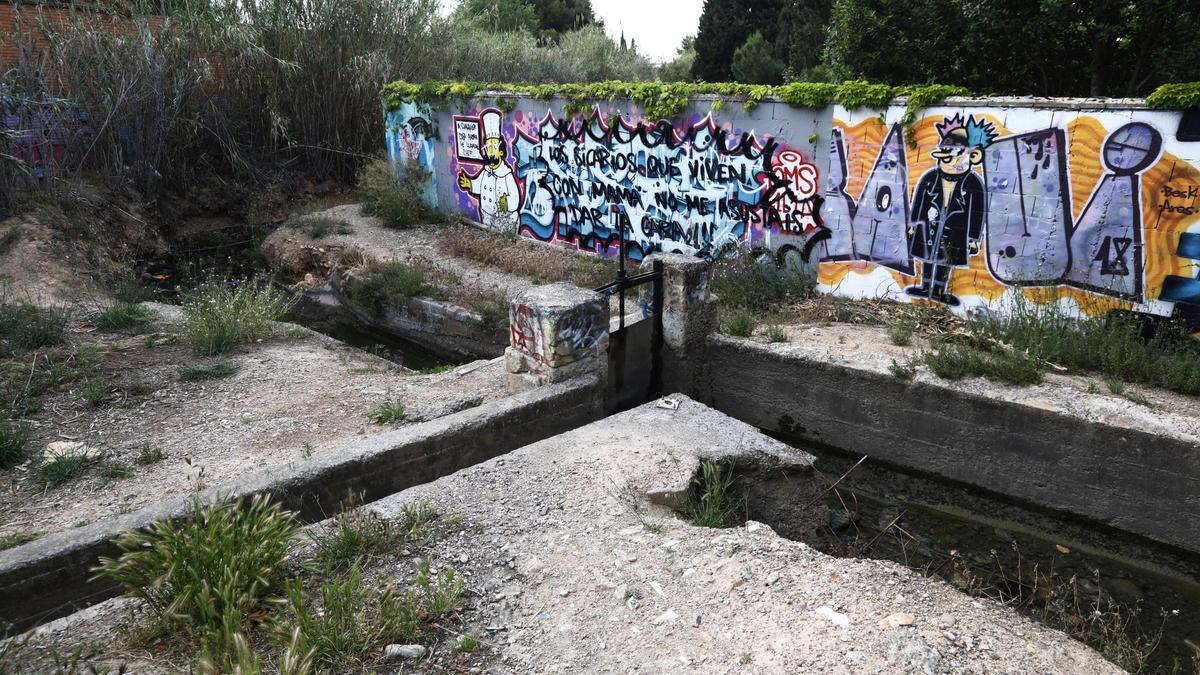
(619, 286)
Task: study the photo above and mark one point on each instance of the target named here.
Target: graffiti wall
(696, 184)
(982, 206)
(970, 207)
(411, 146)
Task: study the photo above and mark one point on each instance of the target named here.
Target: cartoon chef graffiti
(948, 206)
(494, 186)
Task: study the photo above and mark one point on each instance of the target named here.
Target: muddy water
(1054, 569)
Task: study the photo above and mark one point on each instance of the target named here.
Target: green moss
(1180, 96)
(920, 98)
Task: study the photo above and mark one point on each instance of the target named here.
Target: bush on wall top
(662, 100)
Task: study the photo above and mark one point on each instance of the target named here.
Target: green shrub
(901, 330)
(387, 413)
(391, 283)
(14, 434)
(352, 536)
(956, 361)
(212, 371)
(95, 392)
(205, 574)
(149, 454)
(713, 503)
(319, 227)
(126, 317)
(776, 333)
(441, 591)
(741, 323)
(27, 326)
(64, 467)
(750, 280)
(398, 204)
(905, 370)
(218, 315)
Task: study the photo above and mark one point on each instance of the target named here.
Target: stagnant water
(1054, 569)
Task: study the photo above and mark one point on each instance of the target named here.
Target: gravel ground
(291, 399)
(569, 577)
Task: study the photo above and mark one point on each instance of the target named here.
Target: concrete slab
(574, 569)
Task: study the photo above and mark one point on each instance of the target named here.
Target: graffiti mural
(584, 180)
(479, 142)
(994, 210)
(410, 146)
(971, 208)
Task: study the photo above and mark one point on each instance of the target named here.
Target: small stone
(564, 592)
(897, 619)
(533, 566)
(668, 616)
(463, 558)
(840, 620)
(772, 578)
(403, 651)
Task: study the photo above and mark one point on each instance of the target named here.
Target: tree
(755, 63)
(555, 17)
(725, 25)
(499, 16)
(679, 69)
(801, 38)
(1042, 47)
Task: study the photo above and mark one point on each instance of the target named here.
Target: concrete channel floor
(575, 564)
(574, 570)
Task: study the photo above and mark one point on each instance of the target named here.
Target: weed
(27, 326)
(126, 318)
(1115, 385)
(741, 323)
(64, 467)
(307, 450)
(387, 413)
(82, 523)
(1114, 346)
(901, 330)
(149, 454)
(713, 503)
(776, 333)
(493, 312)
(905, 370)
(205, 574)
(111, 470)
(749, 280)
(352, 537)
(956, 361)
(512, 254)
(319, 227)
(399, 204)
(95, 392)
(130, 290)
(438, 369)
(218, 315)
(297, 333)
(416, 521)
(15, 539)
(14, 434)
(442, 590)
(212, 371)
(467, 644)
(390, 283)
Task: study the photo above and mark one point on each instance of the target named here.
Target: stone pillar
(556, 332)
(689, 316)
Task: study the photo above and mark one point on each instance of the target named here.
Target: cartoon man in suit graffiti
(948, 206)
(494, 186)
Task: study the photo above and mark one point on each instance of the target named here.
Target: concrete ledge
(48, 578)
(1139, 482)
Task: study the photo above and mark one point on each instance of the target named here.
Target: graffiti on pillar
(410, 146)
(977, 210)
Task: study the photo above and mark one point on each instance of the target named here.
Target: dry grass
(521, 257)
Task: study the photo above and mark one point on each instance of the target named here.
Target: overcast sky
(657, 25)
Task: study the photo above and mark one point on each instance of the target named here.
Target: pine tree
(755, 63)
(725, 25)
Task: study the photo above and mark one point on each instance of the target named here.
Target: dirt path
(290, 399)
